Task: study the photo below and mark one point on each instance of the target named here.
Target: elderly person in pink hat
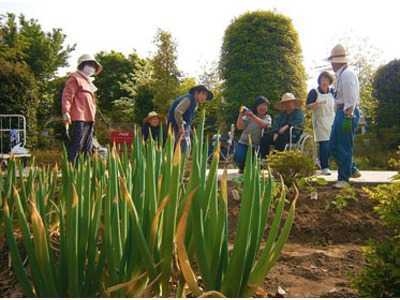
(347, 100)
(79, 106)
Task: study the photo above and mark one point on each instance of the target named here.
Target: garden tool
(347, 126)
(67, 132)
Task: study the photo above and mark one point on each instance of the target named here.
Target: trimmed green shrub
(261, 55)
(291, 165)
(381, 275)
(386, 87)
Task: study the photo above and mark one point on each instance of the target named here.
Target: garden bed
(324, 247)
(323, 251)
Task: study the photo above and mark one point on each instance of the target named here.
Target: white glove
(66, 118)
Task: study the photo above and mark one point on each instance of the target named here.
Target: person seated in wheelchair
(253, 123)
(287, 126)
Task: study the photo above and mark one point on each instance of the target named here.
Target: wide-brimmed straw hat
(152, 115)
(287, 97)
(338, 55)
(87, 58)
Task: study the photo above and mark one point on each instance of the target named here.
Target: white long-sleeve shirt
(347, 88)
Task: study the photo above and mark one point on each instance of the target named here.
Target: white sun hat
(338, 55)
(87, 57)
(287, 97)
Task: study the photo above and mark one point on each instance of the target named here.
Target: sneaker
(326, 172)
(341, 184)
(18, 150)
(356, 174)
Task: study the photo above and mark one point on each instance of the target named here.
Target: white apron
(323, 116)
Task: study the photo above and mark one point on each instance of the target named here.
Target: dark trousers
(267, 142)
(341, 145)
(81, 139)
(241, 153)
(324, 154)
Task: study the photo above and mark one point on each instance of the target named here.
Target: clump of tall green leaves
(114, 227)
(239, 272)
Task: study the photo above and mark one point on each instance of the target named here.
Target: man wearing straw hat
(152, 127)
(347, 99)
(290, 116)
(79, 106)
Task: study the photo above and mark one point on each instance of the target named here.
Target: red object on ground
(121, 137)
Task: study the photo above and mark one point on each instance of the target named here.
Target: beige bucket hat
(287, 97)
(152, 115)
(338, 55)
(87, 57)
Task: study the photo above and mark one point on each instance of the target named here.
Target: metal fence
(12, 132)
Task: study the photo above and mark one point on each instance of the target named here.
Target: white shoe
(17, 149)
(341, 184)
(326, 172)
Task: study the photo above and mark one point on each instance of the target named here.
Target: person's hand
(315, 105)
(249, 114)
(66, 118)
(275, 137)
(347, 125)
(282, 129)
(349, 112)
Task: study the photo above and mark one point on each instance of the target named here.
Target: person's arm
(260, 122)
(297, 120)
(240, 123)
(180, 110)
(69, 93)
(280, 125)
(283, 129)
(277, 123)
(312, 100)
(350, 92)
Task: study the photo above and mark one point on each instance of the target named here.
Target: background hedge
(261, 54)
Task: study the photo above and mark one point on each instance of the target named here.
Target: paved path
(367, 176)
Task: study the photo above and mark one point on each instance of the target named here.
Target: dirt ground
(8, 282)
(321, 257)
(324, 248)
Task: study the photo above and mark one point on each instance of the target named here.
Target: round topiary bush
(386, 87)
(261, 55)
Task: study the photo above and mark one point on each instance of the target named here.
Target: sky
(198, 26)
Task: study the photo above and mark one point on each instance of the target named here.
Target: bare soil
(324, 248)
